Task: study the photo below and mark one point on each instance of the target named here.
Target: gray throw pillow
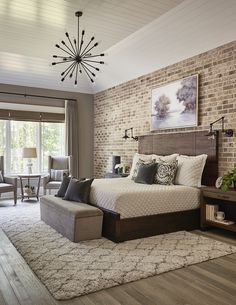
(1, 177)
(138, 164)
(63, 187)
(58, 174)
(166, 172)
(78, 190)
(146, 173)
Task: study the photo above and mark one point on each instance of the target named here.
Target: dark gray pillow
(78, 190)
(63, 187)
(1, 177)
(146, 173)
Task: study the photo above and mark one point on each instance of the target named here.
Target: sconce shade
(132, 134)
(227, 132)
(29, 152)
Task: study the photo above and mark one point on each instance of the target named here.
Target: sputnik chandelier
(78, 56)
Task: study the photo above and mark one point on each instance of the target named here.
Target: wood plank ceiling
(29, 30)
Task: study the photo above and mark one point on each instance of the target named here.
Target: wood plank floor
(208, 283)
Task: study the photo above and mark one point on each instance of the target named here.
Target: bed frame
(189, 143)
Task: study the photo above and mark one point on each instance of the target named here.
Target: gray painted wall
(85, 115)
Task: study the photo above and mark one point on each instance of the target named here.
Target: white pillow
(190, 169)
(168, 158)
(135, 160)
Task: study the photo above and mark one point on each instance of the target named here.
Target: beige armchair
(52, 181)
(8, 184)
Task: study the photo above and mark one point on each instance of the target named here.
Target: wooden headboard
(189, 143)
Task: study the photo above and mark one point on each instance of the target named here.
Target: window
(48, 138)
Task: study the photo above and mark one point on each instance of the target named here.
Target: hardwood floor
(208, 283)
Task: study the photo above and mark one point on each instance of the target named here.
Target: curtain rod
(40, 96)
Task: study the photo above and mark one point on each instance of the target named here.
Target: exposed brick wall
(129, 105)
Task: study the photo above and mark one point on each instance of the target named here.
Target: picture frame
(175, 104)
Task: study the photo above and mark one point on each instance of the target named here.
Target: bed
(134, 210)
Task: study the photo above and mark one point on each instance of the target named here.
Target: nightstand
(213, 198)
(112, 175)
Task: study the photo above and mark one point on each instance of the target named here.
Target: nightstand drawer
(217, 195)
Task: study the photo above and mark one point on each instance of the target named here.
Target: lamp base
(29, 167)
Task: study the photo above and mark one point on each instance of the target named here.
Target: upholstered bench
(74, 220)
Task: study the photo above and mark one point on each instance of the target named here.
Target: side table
(30, 193)
(224, 201)
(113, 175)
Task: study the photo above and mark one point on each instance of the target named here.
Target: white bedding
(131, 199)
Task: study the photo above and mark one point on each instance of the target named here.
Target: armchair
(7, 184)
(53, 179)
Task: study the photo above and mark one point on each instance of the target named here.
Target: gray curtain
(72, 135)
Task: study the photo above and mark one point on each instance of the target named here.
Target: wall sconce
(227, 132)
(131, 134)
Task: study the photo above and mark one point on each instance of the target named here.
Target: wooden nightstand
(226, 202)
(112, 175)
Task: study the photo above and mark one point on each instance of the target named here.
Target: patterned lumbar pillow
(138, 164)
(58, 174)
(1, 177)
(166, 172)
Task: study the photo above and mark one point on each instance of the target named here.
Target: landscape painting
(175, 105)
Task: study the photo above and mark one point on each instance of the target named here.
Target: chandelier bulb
(95, 44)
(67, 35)
(97, 69)
(101, 62)
(55, 56)
(63, 42)
(54, 63)
(102, 54)
(57, 45)
(83, 32)
(63, 79)
(92, 38)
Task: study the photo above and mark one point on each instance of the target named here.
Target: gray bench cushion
(74, 220)
(72, 208)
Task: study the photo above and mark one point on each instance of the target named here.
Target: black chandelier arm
(73, 70)
(95, 61)
(71, 50)
(95, 68)
(59, 47)
(97, 55)
(62, 62)
(81, 42)
(76, 74)
(87, 46)
(70, 68)
(68, 37)
(93, 74)
(80, 69)
(76, 48)
(95, 45)
(87, 73)
(67, 69)
(66, 57)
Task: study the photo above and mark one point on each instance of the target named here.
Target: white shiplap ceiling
(138, 36)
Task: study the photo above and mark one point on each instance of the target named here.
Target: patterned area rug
(70, 270)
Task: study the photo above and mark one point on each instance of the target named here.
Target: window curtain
(72, 133)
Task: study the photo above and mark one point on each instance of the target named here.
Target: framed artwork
(175, 105)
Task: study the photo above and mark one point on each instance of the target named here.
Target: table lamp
(29, 153)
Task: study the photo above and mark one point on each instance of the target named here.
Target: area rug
(70, 270)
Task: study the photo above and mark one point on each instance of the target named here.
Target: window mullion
(39, 146)
(8, 147)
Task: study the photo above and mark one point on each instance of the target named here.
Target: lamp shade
(29, 152)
